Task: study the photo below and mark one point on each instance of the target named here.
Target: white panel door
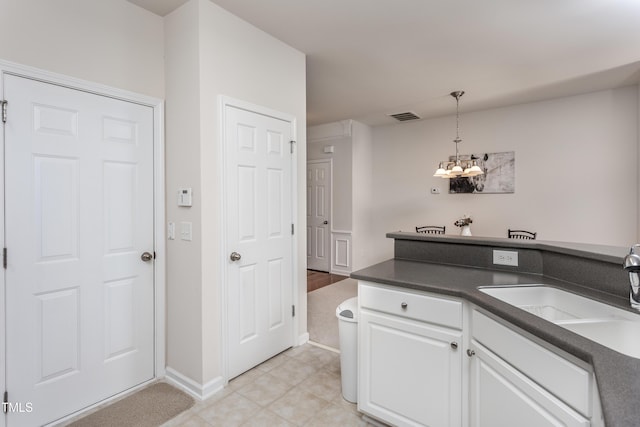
(79, 214)
(259, 210)
(318, 215)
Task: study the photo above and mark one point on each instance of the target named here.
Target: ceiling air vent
(404, 117)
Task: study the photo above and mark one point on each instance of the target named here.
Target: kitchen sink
(603, 323)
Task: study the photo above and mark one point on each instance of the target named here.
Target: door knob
(470, 352)
(235, 256)
(326, 222)
(146, 257)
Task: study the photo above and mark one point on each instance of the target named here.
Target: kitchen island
(455, 267)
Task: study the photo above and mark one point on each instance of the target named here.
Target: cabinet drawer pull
(470, 352)
(454, 345)
(403, 305)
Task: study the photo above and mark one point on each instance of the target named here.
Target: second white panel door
(259, 242)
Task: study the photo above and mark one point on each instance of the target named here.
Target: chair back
(521, 234)
(431, 229)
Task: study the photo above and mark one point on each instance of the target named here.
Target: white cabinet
(410, 357)
(514, 379)
(501, 396)
(418, 366)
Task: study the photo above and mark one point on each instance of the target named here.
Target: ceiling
(370, 58)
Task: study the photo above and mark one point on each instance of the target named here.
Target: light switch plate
(505, 258)
(171, 231)
(185, 231)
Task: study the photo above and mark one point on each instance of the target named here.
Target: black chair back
(431, 229)
(521, 234)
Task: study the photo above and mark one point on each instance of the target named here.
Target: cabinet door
(410, 374)
(501, 396)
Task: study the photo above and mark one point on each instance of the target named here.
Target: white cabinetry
(410, 357)
(514, 379)
(418, 366)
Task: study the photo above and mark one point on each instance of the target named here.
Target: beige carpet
(321, 311)
(149, 407)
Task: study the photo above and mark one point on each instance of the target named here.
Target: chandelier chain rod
(457, 140)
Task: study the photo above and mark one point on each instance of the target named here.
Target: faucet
(632, 265)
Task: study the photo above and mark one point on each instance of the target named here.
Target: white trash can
(347, 313)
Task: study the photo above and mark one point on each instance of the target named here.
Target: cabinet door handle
(403, 305)
(454, 345)
(470, 352)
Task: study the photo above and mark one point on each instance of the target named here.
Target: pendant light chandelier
(458, 168)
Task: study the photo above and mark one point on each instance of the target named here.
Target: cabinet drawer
(564, 379)
(411, 304)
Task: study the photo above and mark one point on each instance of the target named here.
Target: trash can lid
(348, 310)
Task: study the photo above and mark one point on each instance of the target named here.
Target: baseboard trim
(195, 389)
(340, 272)
(326, 347)
(303, 339)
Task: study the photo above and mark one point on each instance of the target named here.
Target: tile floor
(300, 387)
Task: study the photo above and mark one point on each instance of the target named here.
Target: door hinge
(293, 311)
(5, 401)
(292, 143)
(4, 258)
(292, 230)
(4, 111)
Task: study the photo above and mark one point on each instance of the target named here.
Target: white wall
(111, 42)
(363, 202)
(183, 151)
(552, 140)
(231, 58)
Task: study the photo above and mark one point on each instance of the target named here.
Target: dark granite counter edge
(604, 253)
(617, 375)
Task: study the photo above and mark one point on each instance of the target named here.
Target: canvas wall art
(499, 174)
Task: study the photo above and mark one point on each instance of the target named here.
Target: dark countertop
(617, 375)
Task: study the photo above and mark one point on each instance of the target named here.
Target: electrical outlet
(435, 190)
(505, 258)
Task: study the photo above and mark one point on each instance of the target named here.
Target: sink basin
(553, 304)
(619, 335)
(605, 324)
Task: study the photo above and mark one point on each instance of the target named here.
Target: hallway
(320, 279)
